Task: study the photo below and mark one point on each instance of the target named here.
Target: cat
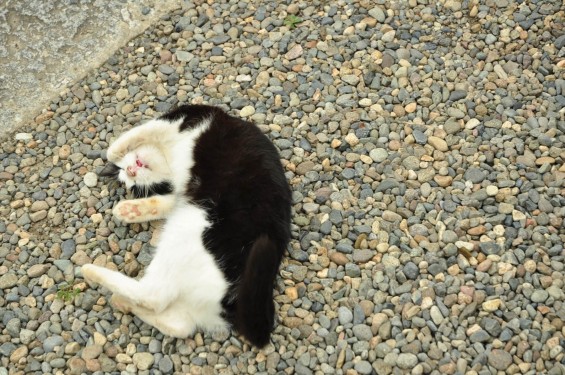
(219, 183)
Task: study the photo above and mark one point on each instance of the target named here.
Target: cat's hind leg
(144, 209)
(173, 321)
(134, 292)
(121, 303)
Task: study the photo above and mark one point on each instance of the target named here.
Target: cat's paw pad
(121, 303)
(137, 210)
(90, 273)
(128, 211)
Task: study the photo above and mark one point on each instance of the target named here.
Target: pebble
(491, 305)
(363, 367)
(8, 280)
(91, 352)
(90, 179)
(499, 359)
(51, 342)
(407, 360)
(378, 155)
(143, 361)
(539, 296)
(344, 315)
(18, 354)
(377, 13)
(247, 111)
(294, 52)
(438, 143)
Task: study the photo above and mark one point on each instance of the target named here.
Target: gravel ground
(424, 144)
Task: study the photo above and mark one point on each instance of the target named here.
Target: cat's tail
(255, 309)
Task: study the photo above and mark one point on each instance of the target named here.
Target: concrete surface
(46, 45)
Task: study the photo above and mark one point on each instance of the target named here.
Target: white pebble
(90, 179)
(247, 111)
(491, 190)
(352, 139)
(23, 137)
(472, 124)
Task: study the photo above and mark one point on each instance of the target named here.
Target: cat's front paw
(134, 211)
(127, 211)
(116, 152)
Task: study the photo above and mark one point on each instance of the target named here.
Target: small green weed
(67, 292)
(291, 21)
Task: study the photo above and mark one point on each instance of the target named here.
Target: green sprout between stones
(291, 21)
(67, 292)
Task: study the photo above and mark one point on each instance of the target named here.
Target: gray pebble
(489, 248)
(406, 360)
(51, 342)
(363, 367)
(344, 315)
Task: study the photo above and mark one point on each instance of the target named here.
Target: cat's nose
(131, 171)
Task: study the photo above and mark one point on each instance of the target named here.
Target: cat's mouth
(112, 170)
(132, 169)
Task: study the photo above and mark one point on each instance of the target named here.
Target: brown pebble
(543, 309)
(92, 365)
(165, 55)
(91, 352)
(484, 266)
(443, 181)
(557, 323)
(367, 307)
(18, 354)
(477, 231)
(394, 145)
(292, 321)
(448, 368)
(291, 292)
(76, 366)
(44, 117)
(338, 258)
(545, 159)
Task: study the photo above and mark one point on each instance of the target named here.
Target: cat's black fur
(238, 179)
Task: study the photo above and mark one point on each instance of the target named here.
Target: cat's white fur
(182, 287)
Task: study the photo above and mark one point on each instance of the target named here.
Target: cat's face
(140, 169)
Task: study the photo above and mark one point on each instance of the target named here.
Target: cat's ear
(110, 170)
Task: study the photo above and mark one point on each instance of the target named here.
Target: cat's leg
(133, 292)
(144, 209)
(173, 321)
(121, 303)
(141, 134)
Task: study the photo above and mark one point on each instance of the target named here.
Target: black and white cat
(219, 183)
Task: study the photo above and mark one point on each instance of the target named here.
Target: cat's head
(144, 171)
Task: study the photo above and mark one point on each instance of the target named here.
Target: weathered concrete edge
(133, 24)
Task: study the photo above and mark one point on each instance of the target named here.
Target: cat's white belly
(182, 288)
(186, 272)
